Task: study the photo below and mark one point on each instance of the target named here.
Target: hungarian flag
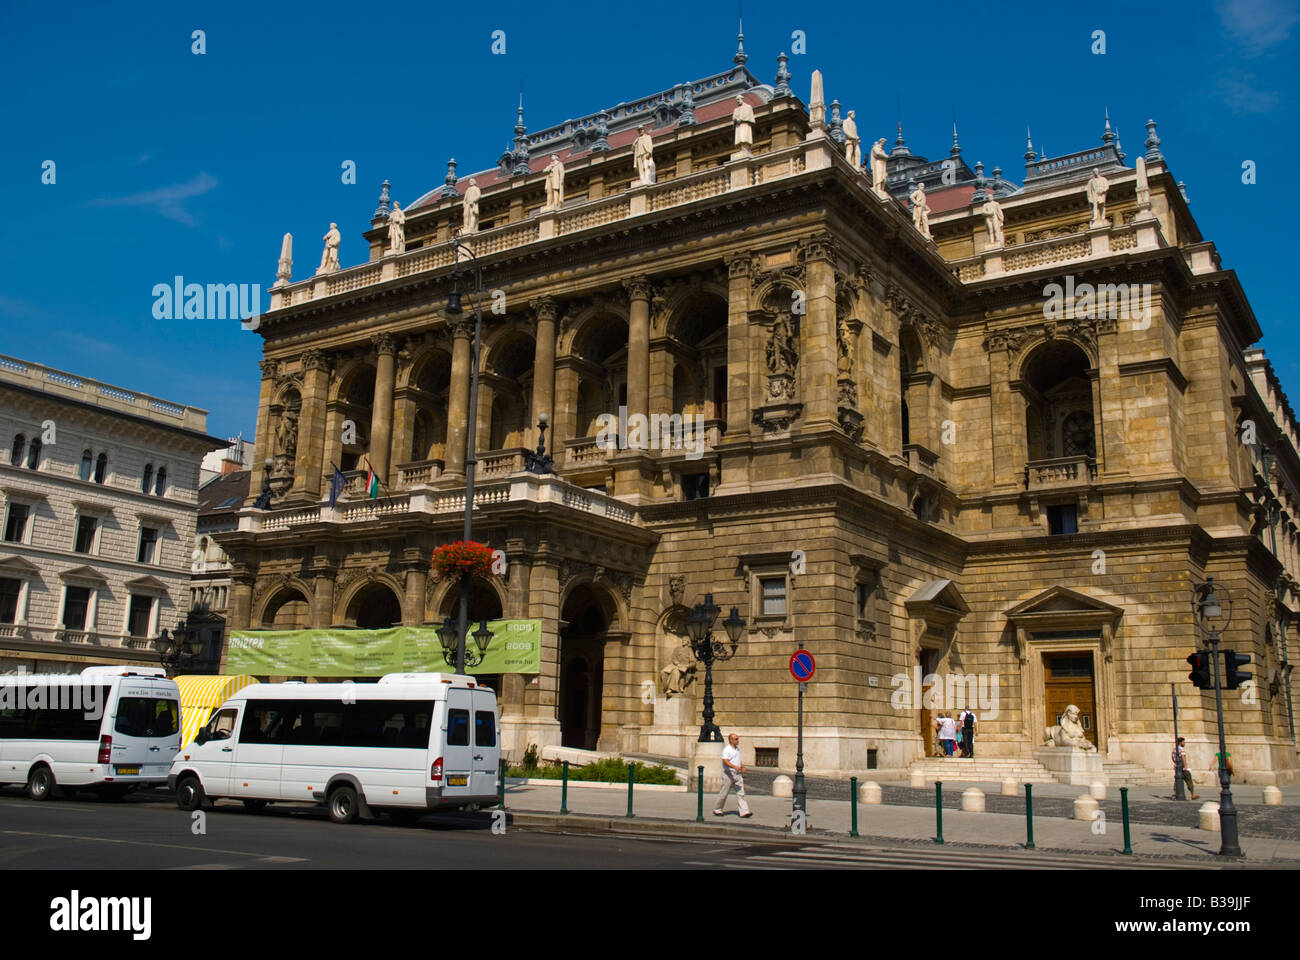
(372, 481)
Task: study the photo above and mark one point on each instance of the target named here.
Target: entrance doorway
(1068, 679)
(584, 624)
(927, 660)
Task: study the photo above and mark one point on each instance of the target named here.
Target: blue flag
(336, 484)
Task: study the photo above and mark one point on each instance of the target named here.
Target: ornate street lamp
(708, 650)
(452, 649)
(1212, 612)
(182, 646)
(539, 461)
(454, 310)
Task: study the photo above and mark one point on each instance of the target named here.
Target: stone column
(322, 601)
(566, 407)
(1009, 445)
(544, 368)
(638, 345)
(817, 350)
(381, 413)
(417, 578)
(311, 425)
(263, 441)
(458, 397)
(238, 609)
(739, 409)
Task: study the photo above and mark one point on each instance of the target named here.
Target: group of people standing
(956, 733)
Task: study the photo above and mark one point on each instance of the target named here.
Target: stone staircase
(983, 769)
(1124, 773)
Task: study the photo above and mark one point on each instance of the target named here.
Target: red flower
(461, 557)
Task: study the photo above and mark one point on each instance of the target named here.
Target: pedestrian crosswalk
(853, 857)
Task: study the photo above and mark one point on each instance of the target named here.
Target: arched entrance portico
(586, 618)
(374, 607)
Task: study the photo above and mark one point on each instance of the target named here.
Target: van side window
(221, 726)
(263, 722)
(485, 728)
(458, 728)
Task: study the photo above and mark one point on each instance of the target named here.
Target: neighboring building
(219, 502)
(916, 456)
(234, 456)
(99, 495)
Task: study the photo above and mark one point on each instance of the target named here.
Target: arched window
(101, 468)
(160, 488)
(87, 461)
(147, 482)
(16, 454)
(34, 454)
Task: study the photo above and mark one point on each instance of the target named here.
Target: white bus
(407, 745)
(109, 729)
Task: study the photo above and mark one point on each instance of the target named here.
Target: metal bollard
(631, 774)
(853, 807)
(564, 788)
(1029, 816)
(1123, 802)
(501, 784)
(699, 795)
(938, 809)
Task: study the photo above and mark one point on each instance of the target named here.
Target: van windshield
(147, 717)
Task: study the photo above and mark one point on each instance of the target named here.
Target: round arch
(373, 604)
(1057, 385)
(288, 607)
(585, 322)
(680, 304)
(486, 600)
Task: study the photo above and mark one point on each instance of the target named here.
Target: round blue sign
(802, 665)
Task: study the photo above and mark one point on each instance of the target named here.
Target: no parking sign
(802, 666)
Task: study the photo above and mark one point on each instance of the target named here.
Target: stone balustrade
(418, 473)
(521, 487)
(1060, 472)
(1048, 252)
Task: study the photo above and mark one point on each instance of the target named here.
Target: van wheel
(343, 804)
(40, 783)
(189, 793)
(255, 806)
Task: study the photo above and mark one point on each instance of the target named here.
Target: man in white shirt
(732, 776)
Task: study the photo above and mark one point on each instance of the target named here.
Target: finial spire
(956, 147)
(448, 188)
(1153, 144)
(381, 212)
(740, 56)
(1030, 156)
(687, 117)
(782, 88)
(1108, 135)
(521, 167)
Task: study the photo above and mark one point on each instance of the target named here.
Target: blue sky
(173, 163)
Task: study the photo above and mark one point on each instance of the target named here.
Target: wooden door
(1068, 679)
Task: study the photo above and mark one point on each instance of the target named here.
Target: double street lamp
(709, 650)
(453, 646)
(1213, 614)
(184, 645)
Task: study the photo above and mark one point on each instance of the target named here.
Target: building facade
(99, 497)
(994, 453)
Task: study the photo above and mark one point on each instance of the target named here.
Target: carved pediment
(1065, 605)
(938, 602)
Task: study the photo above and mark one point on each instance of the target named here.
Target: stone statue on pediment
(643, 155)
(286, 434)
(852, 142)
(554, 183)
(743, 118)
(329, 260)
(920, 211)
(469, 222)
(1096, 190)
(396, 229)
(679, 674)
(879, 168)
(1069, 732)
(781, 355)
(994, 219)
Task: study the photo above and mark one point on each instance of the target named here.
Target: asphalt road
(147, 831)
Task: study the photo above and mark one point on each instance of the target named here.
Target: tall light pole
(454, 311)
(707, 650)
(1213, 615)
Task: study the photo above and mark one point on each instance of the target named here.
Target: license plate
(128, 771)
(458, 781)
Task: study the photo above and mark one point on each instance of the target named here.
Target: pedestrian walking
(966, 723)
(733, 775)
(1227, 762)
(947, 733)
(1180, 762)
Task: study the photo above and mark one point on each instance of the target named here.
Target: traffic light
(1232, 677)
(1200, 675)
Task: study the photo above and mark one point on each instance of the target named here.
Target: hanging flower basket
(461, 557)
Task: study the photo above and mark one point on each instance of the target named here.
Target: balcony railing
(418, 472)
(1060, 472)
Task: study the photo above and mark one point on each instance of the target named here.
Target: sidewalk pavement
(674, 814)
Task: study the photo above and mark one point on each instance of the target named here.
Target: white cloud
(1258, 25)
(165, 201)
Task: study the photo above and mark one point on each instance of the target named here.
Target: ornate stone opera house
(987, 476)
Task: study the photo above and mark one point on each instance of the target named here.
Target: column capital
(270, 369)
(315, 360)
(544, 307)
(638, 288)
(461, 329)
(743, 264)
(385, 344)
(819, 247)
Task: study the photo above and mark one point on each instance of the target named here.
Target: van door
(164, 732)
(457, 751)
(214, 758)
(486, 749)
(260, 752)
(145, 722)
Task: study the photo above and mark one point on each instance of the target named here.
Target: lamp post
(707, 650)
(454, 311)
(452, 648)
(182, 646)
(539, 461)
(1208, 610)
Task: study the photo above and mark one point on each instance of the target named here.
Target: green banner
(516, 647)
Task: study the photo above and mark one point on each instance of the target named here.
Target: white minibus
(109, 729)
(407, 745)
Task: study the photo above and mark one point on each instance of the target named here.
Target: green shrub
(609, 770)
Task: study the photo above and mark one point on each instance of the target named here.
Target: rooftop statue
(554, 183)
(472, 193)
(743, 118)
(329, 259)
(1096, 189)
(994, 218)
(852, 142)
(878, 168)
(396, 229)
(920, 211)
(643, 155)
